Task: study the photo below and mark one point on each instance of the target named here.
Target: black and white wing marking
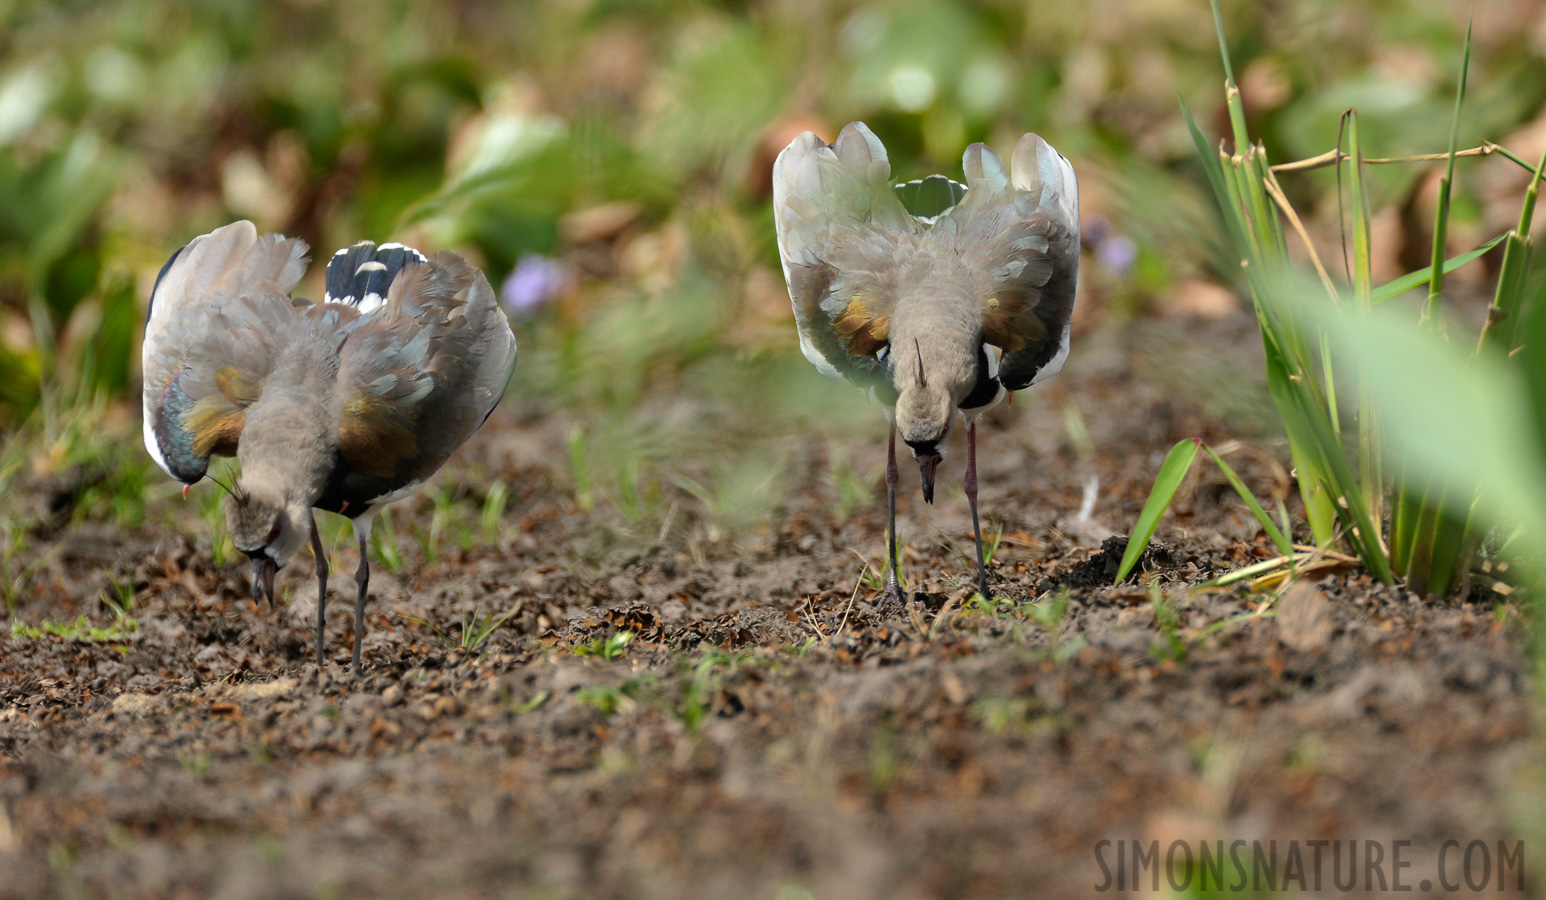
(360, 276)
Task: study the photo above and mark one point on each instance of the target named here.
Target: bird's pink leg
(971, 498)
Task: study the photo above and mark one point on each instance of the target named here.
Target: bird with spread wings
(936, 296)
(344, 405)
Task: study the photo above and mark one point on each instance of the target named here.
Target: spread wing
(844, 233)
(417, 375)
(839, 225)
(209, 341)
(1019, 235)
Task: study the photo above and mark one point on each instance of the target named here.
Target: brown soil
(767, 733)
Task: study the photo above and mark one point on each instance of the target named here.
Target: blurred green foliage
(631, 142)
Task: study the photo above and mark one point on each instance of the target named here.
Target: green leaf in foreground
(1462, 421)
(1171, 473)
(1393, 289)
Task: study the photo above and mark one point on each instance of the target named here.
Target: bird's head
(930, 381)
(267, 530)
(923, 416)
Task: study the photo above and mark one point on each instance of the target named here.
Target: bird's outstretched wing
(839, 222)
(1018, 232)
(209, 342)
(418, 374)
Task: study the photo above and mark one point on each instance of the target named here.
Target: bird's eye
(273, 533)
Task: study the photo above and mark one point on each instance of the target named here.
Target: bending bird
(936, 296)
(344, 405)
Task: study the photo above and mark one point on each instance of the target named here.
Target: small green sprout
(610, 647)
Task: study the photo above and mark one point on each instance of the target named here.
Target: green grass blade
(1211, 166)
(1449, 562)
(1348, 501)
(1441, 215)
(1329, 377)
(1282, 542)
(1419, 514)
(1363, 284)
(1532, 361)
(1171, 473)
(1393, 289)
(1231, 91)
(1403, 517)
(1250, 571)
(1320, 512)
(1508, 301)
(1371, 480)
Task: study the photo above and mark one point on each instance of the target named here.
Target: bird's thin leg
(893, 593)
(971, 499)
(321, 555)
(361, 578)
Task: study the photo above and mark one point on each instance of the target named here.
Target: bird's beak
(263, 570)
(926, 467)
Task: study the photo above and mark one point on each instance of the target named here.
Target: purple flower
(1117, 253)
(536, 280)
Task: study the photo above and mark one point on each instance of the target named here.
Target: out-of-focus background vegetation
(608, 162)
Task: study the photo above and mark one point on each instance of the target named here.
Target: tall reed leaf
(1412, 280)
(1463, 422)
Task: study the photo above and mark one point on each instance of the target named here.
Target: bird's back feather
(418, 378)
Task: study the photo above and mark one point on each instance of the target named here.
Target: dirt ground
(766, 733)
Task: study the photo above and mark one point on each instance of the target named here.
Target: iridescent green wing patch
(930, 197)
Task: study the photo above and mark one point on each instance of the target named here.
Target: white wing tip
(152, 446)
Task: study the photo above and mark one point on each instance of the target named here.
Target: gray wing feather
(421, 374)
(210, 322)
(839, 222)
(1020, 230)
